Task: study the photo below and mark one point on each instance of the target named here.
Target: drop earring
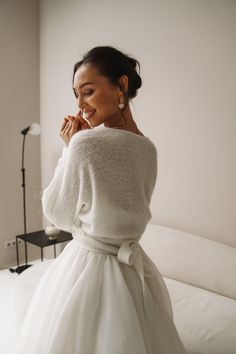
(121, 104)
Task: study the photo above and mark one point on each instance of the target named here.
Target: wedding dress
(102, 294)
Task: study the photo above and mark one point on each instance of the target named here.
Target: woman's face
(96, 96)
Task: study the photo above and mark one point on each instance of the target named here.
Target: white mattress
(206, 321)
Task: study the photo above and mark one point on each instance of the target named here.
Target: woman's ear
(124, 82)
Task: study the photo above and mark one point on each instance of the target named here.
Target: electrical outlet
(7, 244)
(12, 243)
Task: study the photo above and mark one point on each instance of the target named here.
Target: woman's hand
(71, 125)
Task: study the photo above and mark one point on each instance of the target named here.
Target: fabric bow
(130, 252)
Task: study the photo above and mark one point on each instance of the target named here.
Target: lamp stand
(23, 267)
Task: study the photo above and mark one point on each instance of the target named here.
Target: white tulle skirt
(88, 302)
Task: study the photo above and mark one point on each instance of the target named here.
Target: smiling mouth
(88, 115)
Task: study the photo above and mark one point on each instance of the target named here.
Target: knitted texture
(103, 184)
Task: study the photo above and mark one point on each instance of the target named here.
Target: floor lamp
(33, 129)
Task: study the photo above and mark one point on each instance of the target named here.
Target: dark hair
(112, 63)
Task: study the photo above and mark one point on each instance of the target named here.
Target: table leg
(17, 252)
(55, 251)
(26, 255)
(41, 254)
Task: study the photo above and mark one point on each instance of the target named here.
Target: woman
(103, 294)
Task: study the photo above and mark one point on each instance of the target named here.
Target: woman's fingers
(83, 122)
(68, 127)
(71, 125)
(64, 124)
(75, 126)
(66, 120)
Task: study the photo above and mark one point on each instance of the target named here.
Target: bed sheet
(206, 321)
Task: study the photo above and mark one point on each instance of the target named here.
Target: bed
(199, 274)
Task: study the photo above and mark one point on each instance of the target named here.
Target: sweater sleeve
(62, 200)
(61, 159)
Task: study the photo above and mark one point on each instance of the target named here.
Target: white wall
(19, 107)
(186, 106)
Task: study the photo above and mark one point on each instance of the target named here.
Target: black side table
(40, 239)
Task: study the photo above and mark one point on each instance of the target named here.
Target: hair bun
(138, 81)
(135, 81)
(132, 62)
(112, 63)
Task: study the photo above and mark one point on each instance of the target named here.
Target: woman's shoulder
(87, 142)
(91, 137)
(82, 137)
(99, 137)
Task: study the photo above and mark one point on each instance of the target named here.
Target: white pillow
(192, 259)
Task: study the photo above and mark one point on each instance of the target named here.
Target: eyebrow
(85, 83)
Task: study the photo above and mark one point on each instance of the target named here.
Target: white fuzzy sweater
(103, 183)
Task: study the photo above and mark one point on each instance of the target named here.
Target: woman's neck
(123, 120)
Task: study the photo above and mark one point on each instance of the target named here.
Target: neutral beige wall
(19, 107)
(187, 51)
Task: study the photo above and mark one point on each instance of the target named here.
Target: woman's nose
(80, 103)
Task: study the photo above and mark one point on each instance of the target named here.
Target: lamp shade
(33, 129)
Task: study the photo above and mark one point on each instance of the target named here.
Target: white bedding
(206, 321)
(192, 259)
(200, 276)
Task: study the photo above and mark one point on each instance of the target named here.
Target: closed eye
(89, 92)
(86, 93)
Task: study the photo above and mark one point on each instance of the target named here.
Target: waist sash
(128, 252)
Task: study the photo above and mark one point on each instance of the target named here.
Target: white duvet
(206, 321)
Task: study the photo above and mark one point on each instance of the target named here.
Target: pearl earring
(121, 104)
